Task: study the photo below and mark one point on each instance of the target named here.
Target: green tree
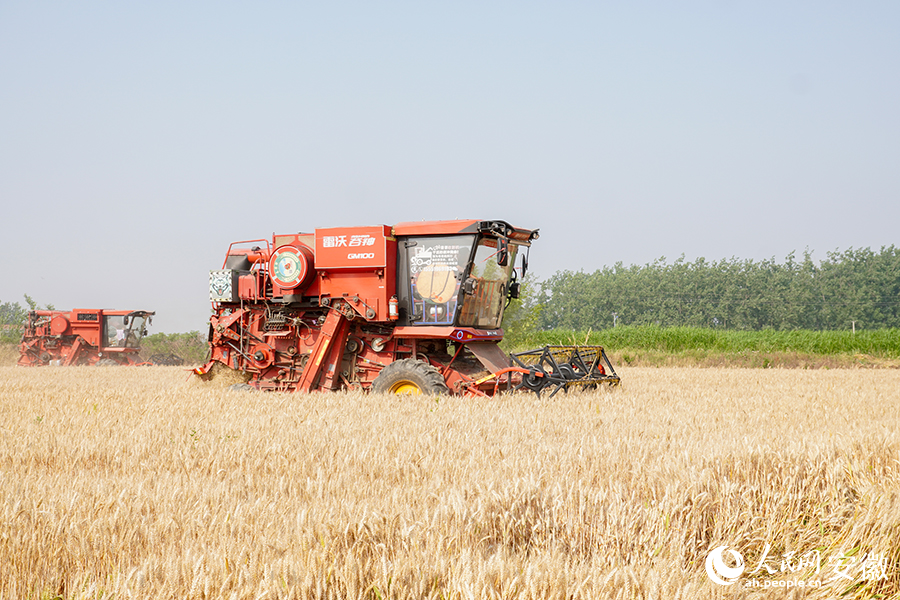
(521, 318)
(12, 319)
(857, 286)
(191, 347)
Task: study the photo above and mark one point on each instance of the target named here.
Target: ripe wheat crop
(141, 483)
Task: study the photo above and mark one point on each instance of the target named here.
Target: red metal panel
(326, 355)
(358, 264)
(58, 325)
(352, 247)
(247, 287)
(436, 227)
(490, 355)
(89, 324)
(461, 334)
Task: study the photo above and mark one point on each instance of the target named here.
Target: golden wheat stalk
(141, 483)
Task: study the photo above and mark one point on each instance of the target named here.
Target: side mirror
(502, 252)
(524, 263)
(469, 286)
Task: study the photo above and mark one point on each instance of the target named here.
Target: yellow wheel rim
(405, 387)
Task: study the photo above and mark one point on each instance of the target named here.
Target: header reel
(561, 367)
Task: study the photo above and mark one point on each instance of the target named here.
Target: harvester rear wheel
(410, 376)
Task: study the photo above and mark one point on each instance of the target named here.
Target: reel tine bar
(563, 366)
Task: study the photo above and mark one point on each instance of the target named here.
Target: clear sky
(138, 139)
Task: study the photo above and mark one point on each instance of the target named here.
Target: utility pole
(853, 325)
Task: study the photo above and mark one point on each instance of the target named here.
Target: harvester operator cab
(126, 330)
(461, 279)
(115, 330)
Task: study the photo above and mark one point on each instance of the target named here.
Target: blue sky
(137, 140)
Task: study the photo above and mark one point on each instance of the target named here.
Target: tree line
(857, 288)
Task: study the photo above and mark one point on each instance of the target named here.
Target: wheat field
(144, 483)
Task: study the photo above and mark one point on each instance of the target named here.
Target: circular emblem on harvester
(287, 267)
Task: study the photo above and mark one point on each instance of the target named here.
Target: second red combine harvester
(413, 308)
(83, 337)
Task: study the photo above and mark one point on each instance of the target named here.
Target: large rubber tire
(410, 376)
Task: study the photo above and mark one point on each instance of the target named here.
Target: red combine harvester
(83, 337)
(413, 308)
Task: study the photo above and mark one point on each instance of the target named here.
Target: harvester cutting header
(413, 308)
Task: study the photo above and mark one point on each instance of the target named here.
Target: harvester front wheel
(410, 376)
